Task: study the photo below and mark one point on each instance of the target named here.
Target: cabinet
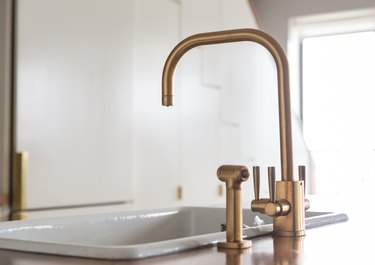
(5, 106)
(74, 100)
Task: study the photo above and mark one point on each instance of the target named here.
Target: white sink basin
(134, 235)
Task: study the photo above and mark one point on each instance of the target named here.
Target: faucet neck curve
(278, 54)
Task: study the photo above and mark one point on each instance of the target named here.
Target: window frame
(318, 25)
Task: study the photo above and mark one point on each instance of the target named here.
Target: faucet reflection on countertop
(286, 251)
(286, 204)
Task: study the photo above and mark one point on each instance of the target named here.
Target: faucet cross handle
(270, 206)
(271, 183)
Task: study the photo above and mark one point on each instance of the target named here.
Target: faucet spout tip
(167, 100)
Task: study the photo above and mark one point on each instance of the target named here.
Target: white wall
(156, 132)
(225, 105)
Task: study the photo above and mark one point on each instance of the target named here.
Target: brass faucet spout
(239, 35)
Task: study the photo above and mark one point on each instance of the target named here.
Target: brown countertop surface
(342, 243)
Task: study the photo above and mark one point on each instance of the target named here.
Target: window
(333, 57)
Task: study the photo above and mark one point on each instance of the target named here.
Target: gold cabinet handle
(19, 181)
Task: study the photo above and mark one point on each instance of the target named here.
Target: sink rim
(129, 251)
(143, 250)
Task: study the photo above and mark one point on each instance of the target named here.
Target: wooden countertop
(341, 243)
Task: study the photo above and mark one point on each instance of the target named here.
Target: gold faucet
(233, 176)
(288, 220)
(286, 202)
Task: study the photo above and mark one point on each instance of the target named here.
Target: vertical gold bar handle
(302, 176)
(272, 183)
(256, 173)
(19, 181)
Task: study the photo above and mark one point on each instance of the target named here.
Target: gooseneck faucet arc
(286, 203)
(277, 52)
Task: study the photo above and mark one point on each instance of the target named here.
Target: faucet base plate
(235, 245)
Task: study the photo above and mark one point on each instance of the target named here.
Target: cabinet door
(73, 100)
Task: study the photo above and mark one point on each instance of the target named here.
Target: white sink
(134, 235)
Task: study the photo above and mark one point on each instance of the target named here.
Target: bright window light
(338, 103)
(339, 91)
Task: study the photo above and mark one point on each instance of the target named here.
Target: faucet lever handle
(302, 176)
(256, 173)
(272, 183)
